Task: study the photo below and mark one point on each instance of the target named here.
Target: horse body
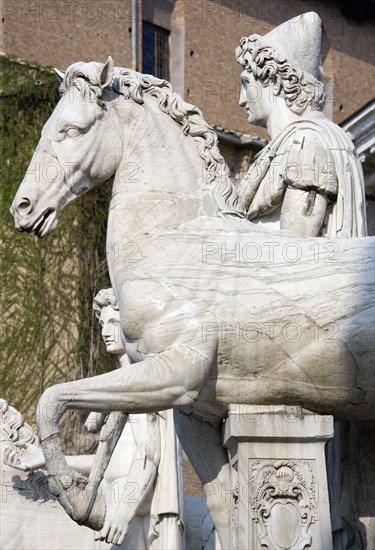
(214, 309)
(279, 339)
(184, 277)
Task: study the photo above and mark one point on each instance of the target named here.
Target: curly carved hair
(14, 426)
(105, 297)
(298, 88)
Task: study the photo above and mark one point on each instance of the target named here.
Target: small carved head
(107, 311)
(13, 425)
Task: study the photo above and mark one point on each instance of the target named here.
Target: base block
(279, 461)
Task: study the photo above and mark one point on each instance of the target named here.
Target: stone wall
(60, 32)
(204, 34)
(214, 28)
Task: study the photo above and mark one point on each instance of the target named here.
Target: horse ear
(60, 75)
(106, 75)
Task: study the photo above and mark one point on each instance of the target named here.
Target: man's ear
(107, 72)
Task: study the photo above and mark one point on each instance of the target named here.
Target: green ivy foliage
(49, 333)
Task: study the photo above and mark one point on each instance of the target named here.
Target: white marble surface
(214, 310)
(278, 454)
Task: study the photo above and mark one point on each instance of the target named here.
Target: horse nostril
(24, 205)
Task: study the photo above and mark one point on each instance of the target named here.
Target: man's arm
(310, 175)
(139, 482)
(303, 212)
(300, 176)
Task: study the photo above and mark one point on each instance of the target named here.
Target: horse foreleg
(202, 442)
(169, 379)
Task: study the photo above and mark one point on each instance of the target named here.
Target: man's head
(107, 311)
(284, 63)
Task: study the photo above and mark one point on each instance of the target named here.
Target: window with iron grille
(155, 50)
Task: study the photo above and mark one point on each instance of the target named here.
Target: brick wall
(214, 28)
(192, 485)
(60, 32)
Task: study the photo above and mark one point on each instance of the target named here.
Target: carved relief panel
(282, 503)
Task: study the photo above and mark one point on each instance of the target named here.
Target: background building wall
(61, 32)
(204, 35)
(214, 28)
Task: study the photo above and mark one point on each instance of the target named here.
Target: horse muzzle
(40, 225)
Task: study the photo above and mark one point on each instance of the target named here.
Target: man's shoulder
(304, 137)
(306, 160)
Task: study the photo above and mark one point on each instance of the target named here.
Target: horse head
(101, 110)
(76, 151)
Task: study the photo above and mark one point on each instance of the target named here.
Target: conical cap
(298, 40)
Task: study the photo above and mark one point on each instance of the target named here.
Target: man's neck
(281, 116)
(123, 359)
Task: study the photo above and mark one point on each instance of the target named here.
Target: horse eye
(73, 132)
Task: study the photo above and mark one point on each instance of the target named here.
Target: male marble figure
(142, 481)
(153, 462)
(308, 179)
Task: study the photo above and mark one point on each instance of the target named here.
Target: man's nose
(243, 100)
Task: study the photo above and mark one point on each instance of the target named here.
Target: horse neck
(160, 165)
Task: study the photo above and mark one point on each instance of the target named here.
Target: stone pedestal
(278, 454)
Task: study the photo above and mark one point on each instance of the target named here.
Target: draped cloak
(329, 165)
(166, 526)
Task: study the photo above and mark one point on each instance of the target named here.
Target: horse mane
(133, 85)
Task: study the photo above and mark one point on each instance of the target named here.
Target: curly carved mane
(133, 85)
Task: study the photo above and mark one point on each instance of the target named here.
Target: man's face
(110, 323)
(255, 98)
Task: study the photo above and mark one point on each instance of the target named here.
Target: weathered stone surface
(278, 454)
(214, 309)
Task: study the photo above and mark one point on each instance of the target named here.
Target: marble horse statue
(214, 309)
